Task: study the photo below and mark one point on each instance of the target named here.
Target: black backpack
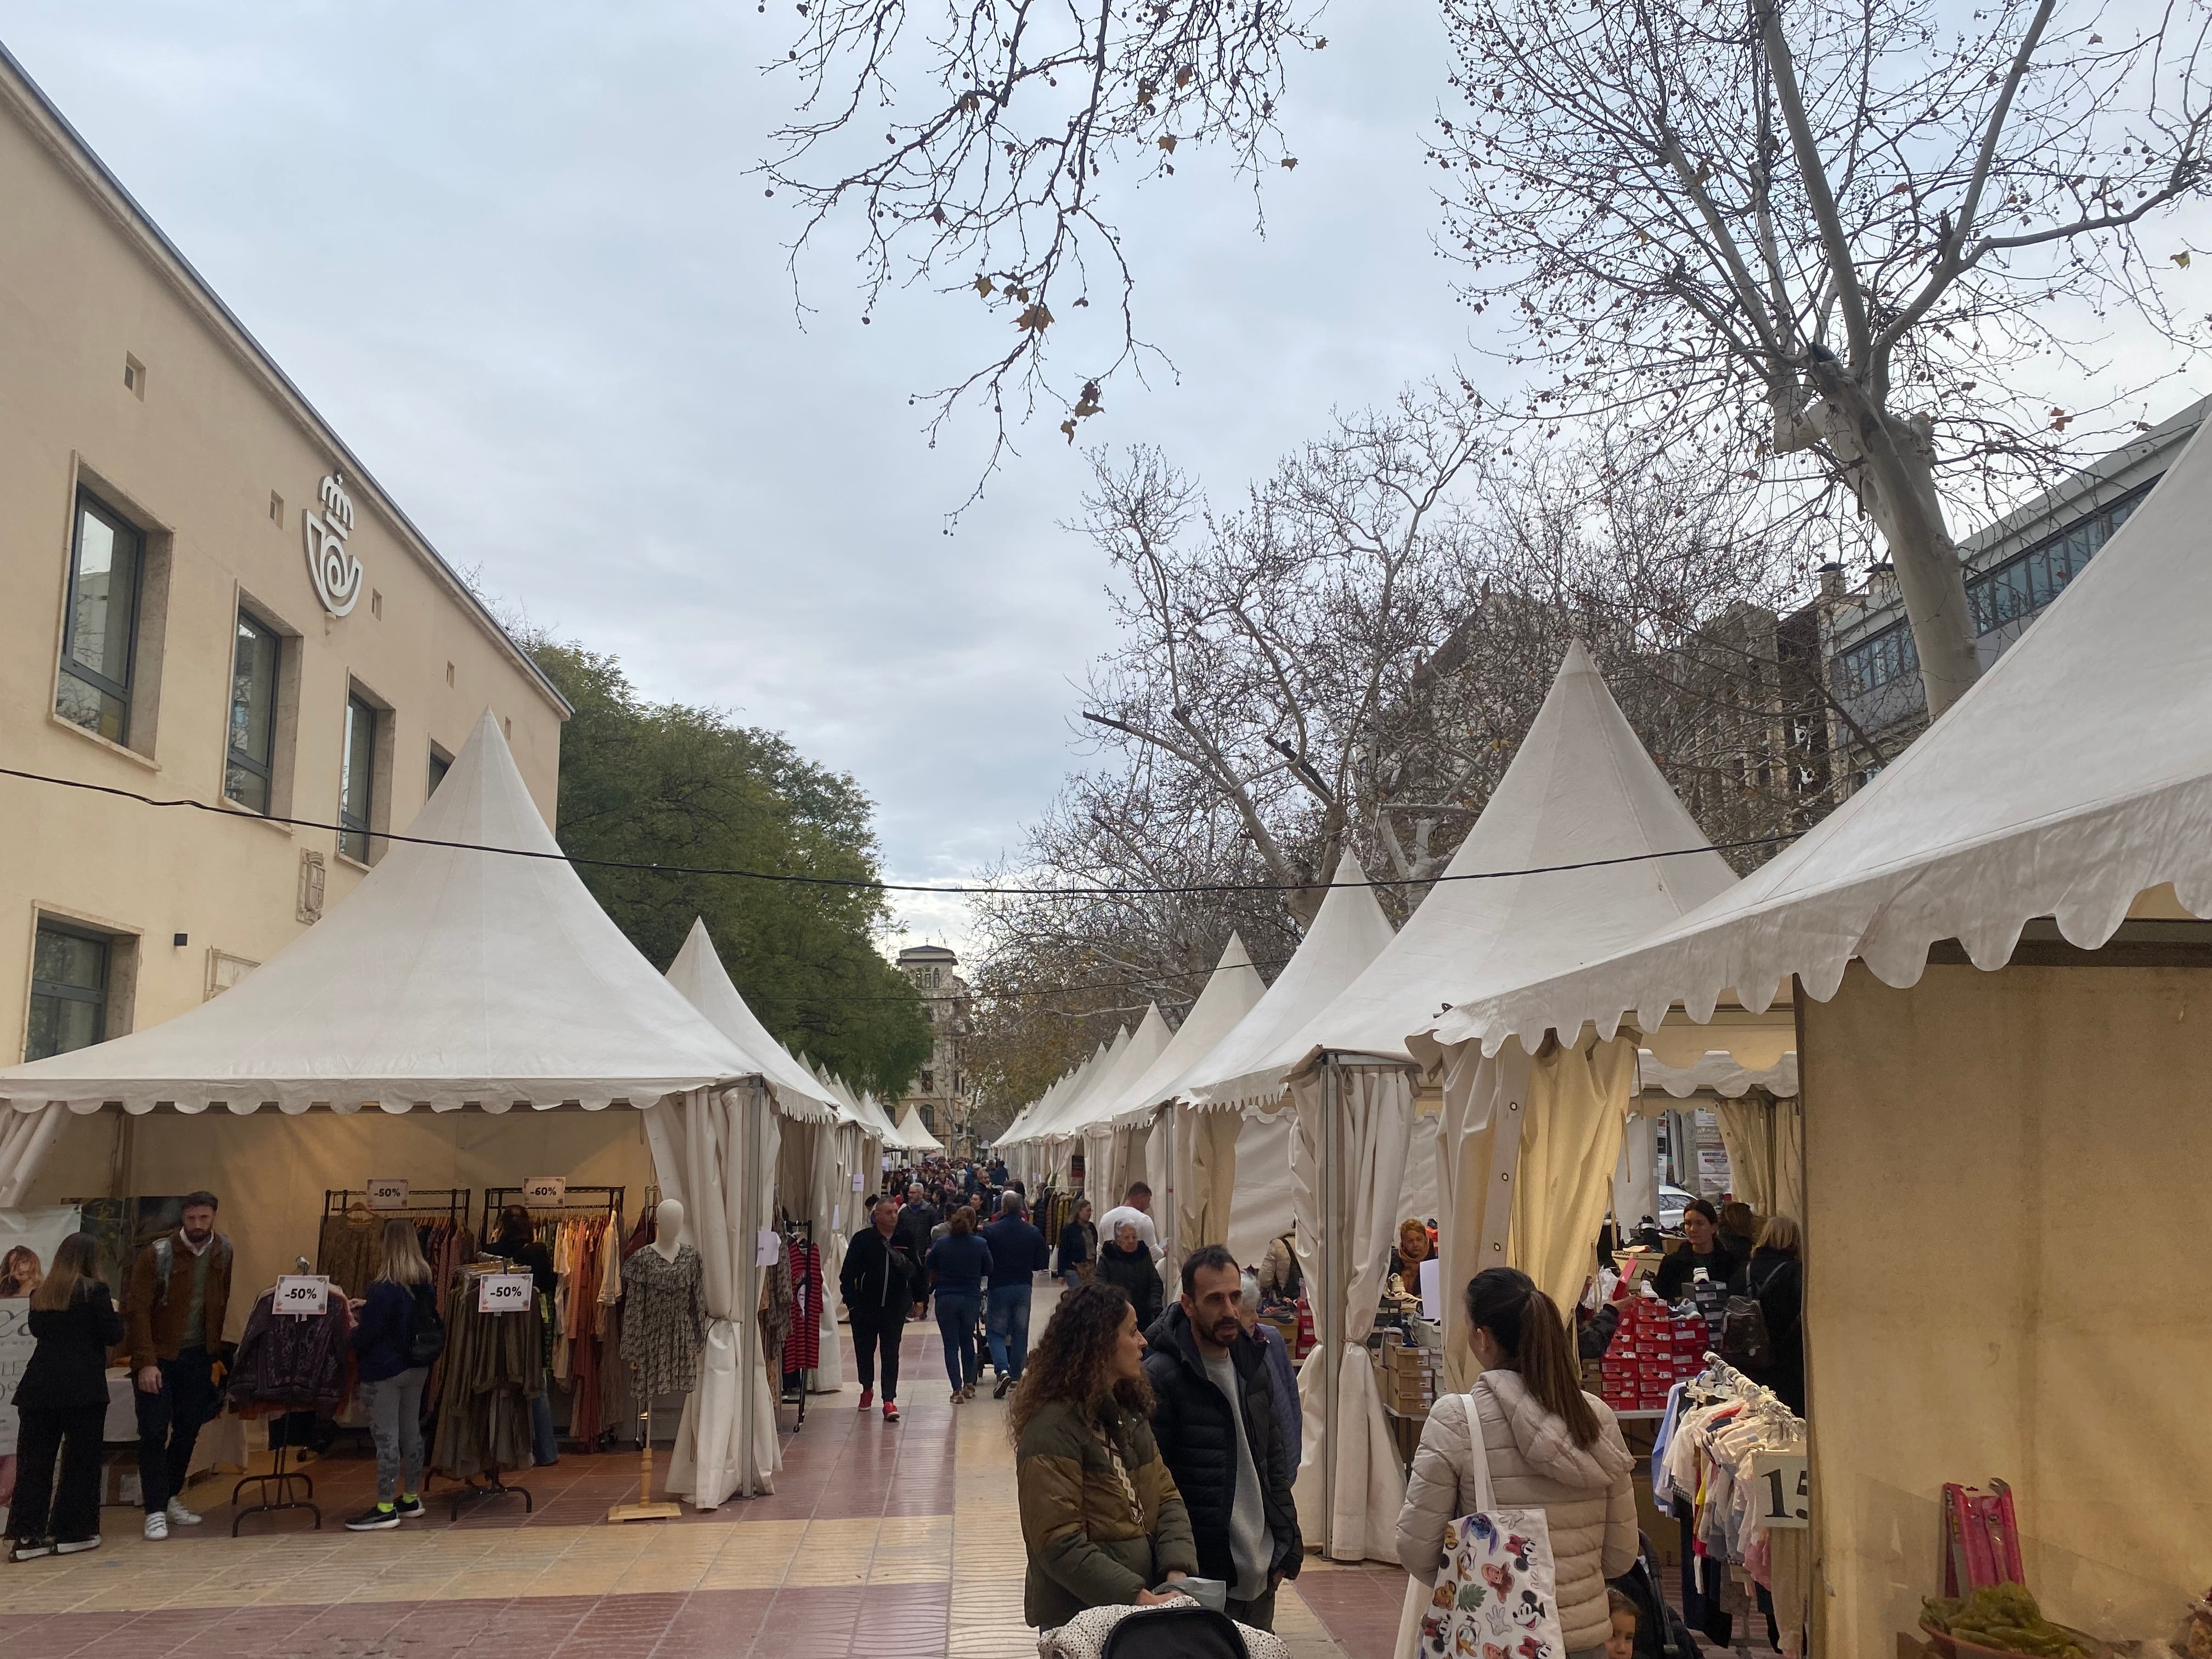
(425, 1332)
(1185, 1631)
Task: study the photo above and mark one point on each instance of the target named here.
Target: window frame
(435, 773)
(99, 996)
(362, 826)
(231, 754)
(124, 691)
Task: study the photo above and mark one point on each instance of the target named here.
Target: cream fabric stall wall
(1260, 1208)
(269, 1171)
(2017, 1303)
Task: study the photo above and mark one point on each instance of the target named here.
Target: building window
(69, 992)
(928, 1081)
(356, 783)
(440, 763)
(249, 770)
(100, 631)
(1876, 661)
(2027, 581)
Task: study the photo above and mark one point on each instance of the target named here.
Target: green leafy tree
(664, 783)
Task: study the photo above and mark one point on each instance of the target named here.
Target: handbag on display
(1497, 1589)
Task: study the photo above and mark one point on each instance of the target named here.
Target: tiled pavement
(879, 1541)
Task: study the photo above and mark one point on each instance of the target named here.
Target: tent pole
(749, 1278)
(1332, 1300)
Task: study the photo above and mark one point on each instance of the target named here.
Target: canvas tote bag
(1496, 1594)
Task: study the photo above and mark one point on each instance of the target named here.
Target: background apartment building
(204, 596)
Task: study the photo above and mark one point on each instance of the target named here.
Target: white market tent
(915, 1133)
(1580, 790)
(2001, 983)
(1232, 990)
(1245, 1071)
(454, 978)
(808, 1167)
(1090, 1124)
(1044, 1134)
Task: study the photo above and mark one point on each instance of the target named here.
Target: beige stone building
(941, 1090)
(204, 596)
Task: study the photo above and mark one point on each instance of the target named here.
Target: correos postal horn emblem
(336, 573)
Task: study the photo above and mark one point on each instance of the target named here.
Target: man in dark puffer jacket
(1233, 1475)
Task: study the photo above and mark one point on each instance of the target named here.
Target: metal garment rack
(497, 1199)
(469, 1492)
(281, 1477)
(784, 1396)
(452, 1203)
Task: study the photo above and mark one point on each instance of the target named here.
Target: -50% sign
(505, 1293)
(302, 1296)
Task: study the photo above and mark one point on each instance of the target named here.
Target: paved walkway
(880, 1540)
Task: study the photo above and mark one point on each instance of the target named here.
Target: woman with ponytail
(1548, 1446)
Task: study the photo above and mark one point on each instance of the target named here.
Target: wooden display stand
(645, 1509)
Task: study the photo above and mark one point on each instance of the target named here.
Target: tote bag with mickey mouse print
(1496, 1593)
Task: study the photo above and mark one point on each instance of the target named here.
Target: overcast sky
(511, 253)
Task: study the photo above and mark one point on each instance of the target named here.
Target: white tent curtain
(25, 1139)
(1570, 1143)
(1765, 1142)
(829, 1200)
(1205, 1176)
(716, 1154)
(1350, 1487)
(1527, 1151)
(1260, 1210)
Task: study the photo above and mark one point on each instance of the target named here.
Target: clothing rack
(469, 1492)
(281, 1477)
(1719, 1373)
(451, 1202)
(497, 1199)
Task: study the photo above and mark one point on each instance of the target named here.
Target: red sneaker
(890, 1411)
(867, 1398)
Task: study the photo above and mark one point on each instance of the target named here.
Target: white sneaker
(157, 1525)
(179, 1515)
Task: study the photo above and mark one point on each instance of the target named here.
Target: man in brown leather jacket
(175, 1303)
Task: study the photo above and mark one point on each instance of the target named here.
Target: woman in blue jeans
(958, 1263)
(385, 1321)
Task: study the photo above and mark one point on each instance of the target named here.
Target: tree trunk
(1890, 463)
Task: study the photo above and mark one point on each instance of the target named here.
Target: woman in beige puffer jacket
(1536, 1459)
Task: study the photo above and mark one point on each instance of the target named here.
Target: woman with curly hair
(1101, 1520)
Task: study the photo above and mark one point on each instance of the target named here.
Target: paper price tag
(856, 1181)
(545, 1192)
(505, 1293)
(767, 1247)
(302, 1295)
(1782, 1488)
(386, 1193)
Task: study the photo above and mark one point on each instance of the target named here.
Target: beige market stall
(468, 1005)
(2000, 1029)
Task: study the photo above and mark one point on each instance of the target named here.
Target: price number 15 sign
(1782, 1487)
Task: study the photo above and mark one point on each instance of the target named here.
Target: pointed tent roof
(1048, 1127)
(1251, 1065)
(1144, 1046)
(1232, 991)
(1036, 1111)
(452, 976)
(916, 1134)
(697, 972)
(1581, 789)
(2075, 775)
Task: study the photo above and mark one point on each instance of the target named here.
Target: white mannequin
(668, 1229)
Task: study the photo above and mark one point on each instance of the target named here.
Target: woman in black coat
(1775, 1275)
(1126, 1261)
(61, 1406)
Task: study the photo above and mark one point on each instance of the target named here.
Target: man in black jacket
(917, 1221)
(1214, 1418)
(880, 1285)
